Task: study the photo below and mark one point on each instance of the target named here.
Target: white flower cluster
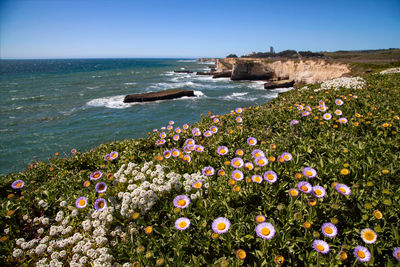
(391, 70)
(146, 184)
(87, 246)
(189, 179)
(346, 82)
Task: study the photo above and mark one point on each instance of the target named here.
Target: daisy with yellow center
(257, 178)
(81, 202)
(344, 171)
(362, 253)
(237, 175)
(197, 184)
(221, 225)
(239, 152)
(343, 189)
(249, 166)
(279, 259)
(181, 201)
(321, 246)
(293, 192)
(378, 215)
(270, 176)
(240, 254)
(261, 161)
(329, 230)
(237, 163)
(265, 230)
(221, 172)
(148, 230)
(182, 223)
(260, 218)
(368, 236)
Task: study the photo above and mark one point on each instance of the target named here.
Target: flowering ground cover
(310, 178)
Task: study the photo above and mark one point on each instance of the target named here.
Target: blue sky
(113, 28)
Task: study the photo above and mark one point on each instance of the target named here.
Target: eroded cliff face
(301, 71)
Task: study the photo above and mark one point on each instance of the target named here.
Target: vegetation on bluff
(310, 178)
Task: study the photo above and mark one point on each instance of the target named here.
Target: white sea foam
(238, 97)
(168, 73)
(118, 101)
(187, 60)
(92, 87)
(18, 107)
(257, 85)
(129, 83)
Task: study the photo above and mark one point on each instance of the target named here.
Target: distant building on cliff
(271, 50)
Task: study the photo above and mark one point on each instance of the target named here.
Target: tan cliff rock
(301, 71)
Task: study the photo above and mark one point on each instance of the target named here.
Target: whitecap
(109, 102)
(131, 83)
(257, 85)
(18, 107)
(187, 60)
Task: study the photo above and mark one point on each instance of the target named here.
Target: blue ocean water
(49, 106)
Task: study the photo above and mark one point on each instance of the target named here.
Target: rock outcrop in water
(279, 84)
(154, 96)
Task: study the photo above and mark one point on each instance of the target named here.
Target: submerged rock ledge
(162, 95)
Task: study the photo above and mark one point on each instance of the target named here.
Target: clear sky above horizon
(106, 28)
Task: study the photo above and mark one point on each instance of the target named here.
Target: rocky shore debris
(162, 95)
(222, 74)
(279, 84)
(183, 71)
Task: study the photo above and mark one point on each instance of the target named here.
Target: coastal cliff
(300, 71)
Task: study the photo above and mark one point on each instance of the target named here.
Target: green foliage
(367, 145)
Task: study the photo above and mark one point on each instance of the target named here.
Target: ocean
(50, 106)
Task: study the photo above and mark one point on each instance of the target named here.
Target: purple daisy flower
(107, 157)
(329, 230)
(182, 223)
(304, 187)
(197, 184)
(187, 158)
(181, 201)
(221, 225)
(257, 179)
(261, 161)
(190, 141)
(114, 155)
(343, 189)
(343, 120)
(101, 187)
(73, 151)
(81, 202)
(286, 156)
(237, 163)
(237, 175)
(175, 137)
(18, 184)
(270, 177)
(362, 254)
(251, 141)
(208, 171)
(222, 150)
(207, 133)
(160, 142)
(257, 153)
(96, 175)
(163, 135)
(167, 154)
(175, 152)
(198, 148)
(100, 204)
(309, 172)
(214, 129)
(294, 122)
(305, 113)
(396, 253)
(318, 191)
(321, 246)
(265, 230)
